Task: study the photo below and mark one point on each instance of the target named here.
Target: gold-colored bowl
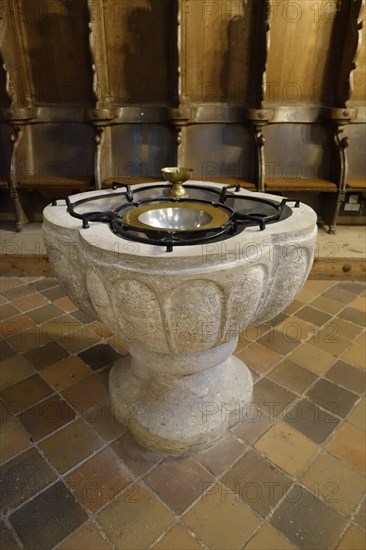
(176, 174)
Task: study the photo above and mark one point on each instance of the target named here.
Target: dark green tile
(332, 397)
(22, 478)
(354, 315)
(308, 522)
(347, 375)
(313, 316)
(309, 419)
(99, 356)
(257, 482)
(48, 519)
(45, 313)
(46, 355)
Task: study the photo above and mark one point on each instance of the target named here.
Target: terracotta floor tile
(88, 536)
(100, 329)
(327, 305)
(332, 397)
(85, 396)
(8, 310)
(65, 304)
(30, 302)
(294, 306)
(309, 419)
(278, 341)
(99, 356)
(44, 418)
(18, 291)
(13, 370)
(349, 444)
(252, 424)
(315, 285)
(79, 339)
(359, 303)
(17, 324)
(46, 355)
(137, 458)
(313, 315)
(339, 294)
(118, 345)
(357, 417)
(98, 480)
(353, 315)
(134, 507)
(340, 486)
(48, 518)
(5, 414)
(177, 539)
(348, 376)
(66, 372)
(287, 448)
(9, 282)
(307, 522)
(267, 538)
(292, 376)
(353, 539)
(5, 351)
(305, 295)
(345, 329)
(329, 341)
(352, 286)
(26, 341)
(311, 358)
(73, 443)
(45, 313)
(179, 482)
(259, 358)
(361, 339)
(271, 398)
(222, 455)
(13, 440)
(103, 422)
(7, 538)
(221, 520)
(257, 482)
(34, 473)
(55, 293)
(356, 355)
(295, 329)
(62, 328)
(360, 516)
(22, 395)
(44, 283)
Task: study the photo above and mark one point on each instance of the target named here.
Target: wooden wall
(269, 93)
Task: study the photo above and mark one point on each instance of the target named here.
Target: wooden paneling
(53, 38)
(358, 81)
(140, 49)
(299, 44)
(216, 44)
(221, 151)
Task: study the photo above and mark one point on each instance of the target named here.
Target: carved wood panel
(300, 37)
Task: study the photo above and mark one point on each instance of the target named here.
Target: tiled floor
(289, 474)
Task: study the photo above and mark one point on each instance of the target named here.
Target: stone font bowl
(180, 314)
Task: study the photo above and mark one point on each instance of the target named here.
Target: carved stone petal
(138, 314)
(243, 300)
(194, 314)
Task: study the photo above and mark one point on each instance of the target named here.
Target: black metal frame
(161, 237)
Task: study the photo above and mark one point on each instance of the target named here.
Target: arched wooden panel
(358, 91)
(4, 98)
(216, 44)
(55, 38)
(300, 37)
(140, 45)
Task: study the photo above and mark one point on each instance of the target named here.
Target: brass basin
(171, 216)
